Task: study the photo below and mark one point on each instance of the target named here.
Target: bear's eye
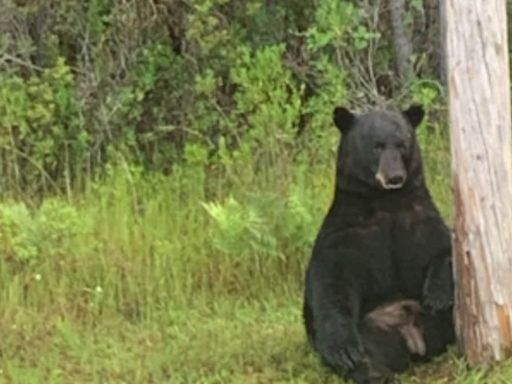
(401, 146)
(379, 147)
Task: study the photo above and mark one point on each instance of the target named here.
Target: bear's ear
(343, 118)
(414, 114)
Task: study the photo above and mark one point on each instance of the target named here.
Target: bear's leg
(438, 332)
(386, 354)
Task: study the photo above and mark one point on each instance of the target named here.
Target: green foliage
(241, 230)
(103, 81)
(267, 99)
(17, 233)
(41, 125)
(29, 237)
(58, 227)
(336, 23)
(266, 225)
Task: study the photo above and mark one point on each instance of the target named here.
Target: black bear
(382, 241)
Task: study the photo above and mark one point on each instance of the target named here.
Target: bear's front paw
(368, 374)
(344, 353)
(438, 289)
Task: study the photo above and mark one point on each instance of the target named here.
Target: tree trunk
(401, 40)
(478, 80)
(442, 52)
(434, 37)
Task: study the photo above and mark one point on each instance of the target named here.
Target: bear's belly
(392, 283)
(414, 245)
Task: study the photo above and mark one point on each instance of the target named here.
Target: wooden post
(479, 98)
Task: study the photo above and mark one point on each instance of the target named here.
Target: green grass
(226, 341)
(195, 277)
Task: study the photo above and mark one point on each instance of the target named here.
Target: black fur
(376, 245)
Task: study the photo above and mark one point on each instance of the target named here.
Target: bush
(87, 84)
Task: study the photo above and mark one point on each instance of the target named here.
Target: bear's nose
(396, 180)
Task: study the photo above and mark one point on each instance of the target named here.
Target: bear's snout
(391, 173)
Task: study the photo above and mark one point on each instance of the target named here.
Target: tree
(479, 98)
(401, 40)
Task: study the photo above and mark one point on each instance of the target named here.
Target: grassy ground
(189, 278)
(228, 341)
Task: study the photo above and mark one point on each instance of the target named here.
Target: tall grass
(147, 240)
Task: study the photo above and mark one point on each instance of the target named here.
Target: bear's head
(378, 150)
